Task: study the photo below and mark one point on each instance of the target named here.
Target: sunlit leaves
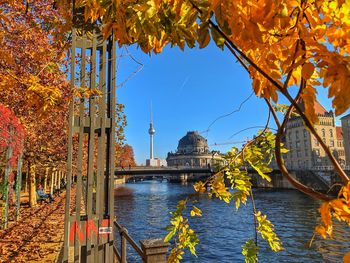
(250, 252)
(267, 232)
(199, 187)
(219, 189)
(309, 95)
(179, 229)
(196, 211)
(240, 180)
(338, 208)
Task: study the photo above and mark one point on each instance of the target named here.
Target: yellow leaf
(199, 187)
(196, 211)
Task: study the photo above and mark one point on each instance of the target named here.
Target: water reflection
(222, 230)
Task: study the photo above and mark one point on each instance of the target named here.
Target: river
(222, 230)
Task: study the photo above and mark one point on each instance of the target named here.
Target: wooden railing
(150, 251)
(124, 236)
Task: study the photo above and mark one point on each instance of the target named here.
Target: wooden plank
(90, 179)
(112, 107)
(70, 152)
(101, 151)
(80, 150)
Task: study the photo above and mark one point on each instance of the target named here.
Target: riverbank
(37, 236)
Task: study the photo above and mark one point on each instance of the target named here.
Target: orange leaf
(307, 70)
(346, 258)
(326, 215)
(321, 231)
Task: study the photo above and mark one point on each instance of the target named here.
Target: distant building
(305, 151)
(156, 162)
(345, 123)
(193, 151)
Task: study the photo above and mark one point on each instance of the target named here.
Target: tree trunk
(26, 179)
(5, 191)
(32, 186)
(18, 186)
(45, 178)
(52, 180)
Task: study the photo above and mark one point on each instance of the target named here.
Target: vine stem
(254, 213)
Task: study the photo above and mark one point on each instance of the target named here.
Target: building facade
(193, 151)
(345, 123)
(305, 152)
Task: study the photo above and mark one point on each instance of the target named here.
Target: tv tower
(151, 132)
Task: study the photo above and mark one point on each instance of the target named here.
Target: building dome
(192, 142)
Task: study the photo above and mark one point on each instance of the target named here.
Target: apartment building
(345, 123)
(305, 152)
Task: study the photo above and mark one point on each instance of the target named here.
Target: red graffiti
(90, 228)
(74, 229)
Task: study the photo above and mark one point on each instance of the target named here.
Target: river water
(222, 230)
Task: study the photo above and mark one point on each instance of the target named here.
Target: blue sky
(189, 90)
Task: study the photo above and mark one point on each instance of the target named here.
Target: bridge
(320, 177)
(150, 170)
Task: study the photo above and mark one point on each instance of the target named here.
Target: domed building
(193, 151)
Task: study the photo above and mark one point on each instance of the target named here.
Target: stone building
(304, 150)
(345, 123)
(193, 151)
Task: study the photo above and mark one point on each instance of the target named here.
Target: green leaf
(169, 235)
(250, 252)
(267, 232)
(260, 171)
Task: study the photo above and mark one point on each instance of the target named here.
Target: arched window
(331, 133)
(323, 133)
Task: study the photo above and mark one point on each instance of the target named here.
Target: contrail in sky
(184, 84)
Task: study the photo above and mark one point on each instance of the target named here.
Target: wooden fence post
(155, 250)
(123, 232)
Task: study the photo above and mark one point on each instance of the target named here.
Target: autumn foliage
(11, 134)
(289, 48)
(283, 45)
(124, 156)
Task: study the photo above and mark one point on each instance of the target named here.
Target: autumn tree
(11, 147)
(283, 45)
(33, 81)
(124, 156)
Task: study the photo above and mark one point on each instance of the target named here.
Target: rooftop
(339, 132)
(319, 109)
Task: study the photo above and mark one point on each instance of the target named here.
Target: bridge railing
(150, 251)
(328, 168)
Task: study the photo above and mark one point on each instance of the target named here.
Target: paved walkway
(38, 236)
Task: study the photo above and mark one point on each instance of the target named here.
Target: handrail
(123, 232)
